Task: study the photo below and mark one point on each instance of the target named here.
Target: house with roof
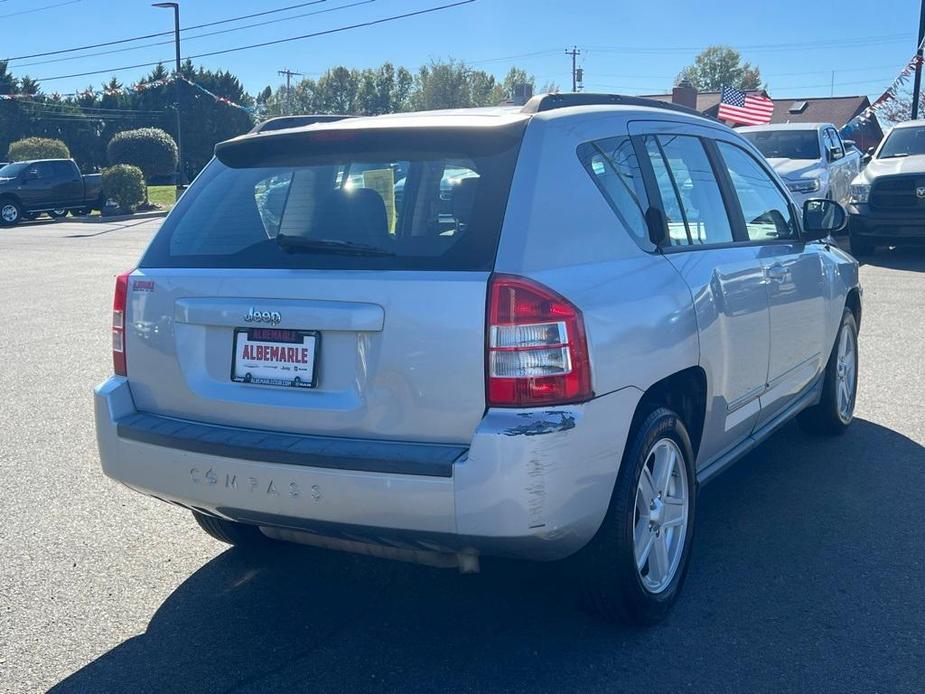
(838, 110)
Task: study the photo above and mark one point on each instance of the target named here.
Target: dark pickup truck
(886, 206)
(54, 186)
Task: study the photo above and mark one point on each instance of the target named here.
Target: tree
(38, 148)
(514, 77)
(898, 107)
(336, 91)
(264, 95)
(150, 149)
(720, 66)
(549, 88)
(452, 84)
(206, 121)
(384, 90)
(8, 83)
(27, 85)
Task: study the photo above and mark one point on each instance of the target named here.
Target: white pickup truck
(812, 158)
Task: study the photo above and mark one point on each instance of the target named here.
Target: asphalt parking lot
(807, 572)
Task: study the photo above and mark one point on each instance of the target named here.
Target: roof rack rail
(549, 102)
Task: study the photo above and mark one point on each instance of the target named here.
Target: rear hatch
(327, 282)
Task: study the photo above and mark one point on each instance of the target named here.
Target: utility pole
(917, 87)
(832, 90)
(289, 73)
(176, 33)
(575, 52)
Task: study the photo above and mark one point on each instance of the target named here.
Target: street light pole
(917, 85)
(176, 32)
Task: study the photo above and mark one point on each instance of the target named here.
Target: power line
(554, 51)
(359, 25)
(66, 107)
(91, 116)
(326, 32)
(161, 33)
(51, 105)
(763, 74)
(768, 47)
(198, 36)
(39, 9)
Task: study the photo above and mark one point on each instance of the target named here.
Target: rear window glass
(346, 199)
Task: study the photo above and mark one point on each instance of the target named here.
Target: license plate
(275, 357)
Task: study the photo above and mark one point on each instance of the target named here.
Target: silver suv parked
(529, 332)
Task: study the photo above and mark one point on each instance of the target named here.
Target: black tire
(80, 212)
(827, 418)
(10, 213)
(613, 587)
(57, 214)
(238, 534)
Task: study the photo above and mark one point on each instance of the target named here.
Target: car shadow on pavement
(793, 587)
(900, 258)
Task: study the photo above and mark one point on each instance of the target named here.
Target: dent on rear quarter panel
(539, 423)
(537, 482)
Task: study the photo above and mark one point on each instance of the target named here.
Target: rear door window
(691, 197)
(389, 200)
(62, 170)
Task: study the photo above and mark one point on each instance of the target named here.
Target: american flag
(744, 109)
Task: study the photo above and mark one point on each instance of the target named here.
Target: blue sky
(628, 47)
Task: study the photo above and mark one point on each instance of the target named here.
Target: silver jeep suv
(529, 332)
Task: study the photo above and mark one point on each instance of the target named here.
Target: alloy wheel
(661, 515)
(846, 366)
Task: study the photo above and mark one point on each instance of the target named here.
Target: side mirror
(835, 153)
(822, 218)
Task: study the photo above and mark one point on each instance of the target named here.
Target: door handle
(777, 272)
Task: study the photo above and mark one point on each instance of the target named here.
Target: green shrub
(37, 148)
(150, 149)
(125, 184)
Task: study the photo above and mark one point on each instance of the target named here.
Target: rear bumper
(898, 226)
(532, 483)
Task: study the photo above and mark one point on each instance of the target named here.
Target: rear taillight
(537, 351)
(118, 324)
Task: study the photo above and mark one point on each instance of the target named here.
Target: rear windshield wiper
(293, 244)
